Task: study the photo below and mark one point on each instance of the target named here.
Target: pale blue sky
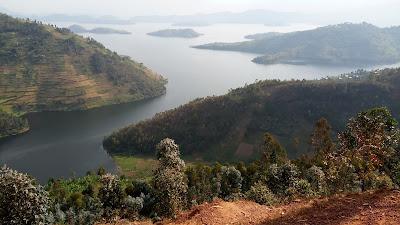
(368, 10)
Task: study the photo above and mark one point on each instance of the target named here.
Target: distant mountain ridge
(342, 44)
(266, 17)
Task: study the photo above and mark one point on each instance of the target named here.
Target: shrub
(317, 180)
(281, 178)
(21, 201)
(395, 173)
(342, 177)
(300, 188)
(231, 182)
(111, 195)
(137, 188)
(376, 180)
(260, 193)
(169, 180)
(132, 207)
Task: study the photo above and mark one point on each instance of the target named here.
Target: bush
(231, 182)
(301, 188)
(132, 207)
(169, 181)
(111, 195)
(281, 178)
(341, 176)
(260, 193)
(376, 180)
(317, 180)
(21, 201)
(137, 188)
(395, 173)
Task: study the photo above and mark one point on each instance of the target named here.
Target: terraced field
(46, 68)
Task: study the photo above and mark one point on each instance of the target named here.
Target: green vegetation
(98, 30)
(11, 124)
(182, 33)
(43, 67)
(365, 156)
(135, 167)
(231, 127)
(343, 44)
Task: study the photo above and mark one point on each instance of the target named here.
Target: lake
(64, 144)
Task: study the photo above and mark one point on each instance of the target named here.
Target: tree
(273, 153)
(370, 139)
(169, 181)
(321, 141)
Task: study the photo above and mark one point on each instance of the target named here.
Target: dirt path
(382, 207)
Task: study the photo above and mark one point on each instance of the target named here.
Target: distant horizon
(378, 12)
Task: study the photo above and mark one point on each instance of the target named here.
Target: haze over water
(62, 144)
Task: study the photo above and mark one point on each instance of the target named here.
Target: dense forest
(11, 124)
(43, 67)
(343, 44)
(364, 157)
(231, 127)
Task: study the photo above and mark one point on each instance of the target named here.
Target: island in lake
(181, 33)
(343, 44)
(98, 30)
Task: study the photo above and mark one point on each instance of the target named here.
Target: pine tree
(274, 153)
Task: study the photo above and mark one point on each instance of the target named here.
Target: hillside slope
(343, 44)
(380, 207)
(43, 67)
(231, 127)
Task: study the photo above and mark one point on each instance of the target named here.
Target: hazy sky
(369, 10)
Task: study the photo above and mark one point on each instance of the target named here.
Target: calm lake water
(63, 144)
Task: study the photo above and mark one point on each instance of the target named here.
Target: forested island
(180, 33)
(46, 68)
(11, 124)
(342, 44)
(98, 30)
(228, 127)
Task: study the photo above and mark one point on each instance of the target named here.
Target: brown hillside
(382, 207)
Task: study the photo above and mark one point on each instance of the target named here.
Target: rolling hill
(231, 127)
(43, 67)
(342, 44)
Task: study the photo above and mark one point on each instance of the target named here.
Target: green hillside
(343, 44)
(231, 127)
(43, 67)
